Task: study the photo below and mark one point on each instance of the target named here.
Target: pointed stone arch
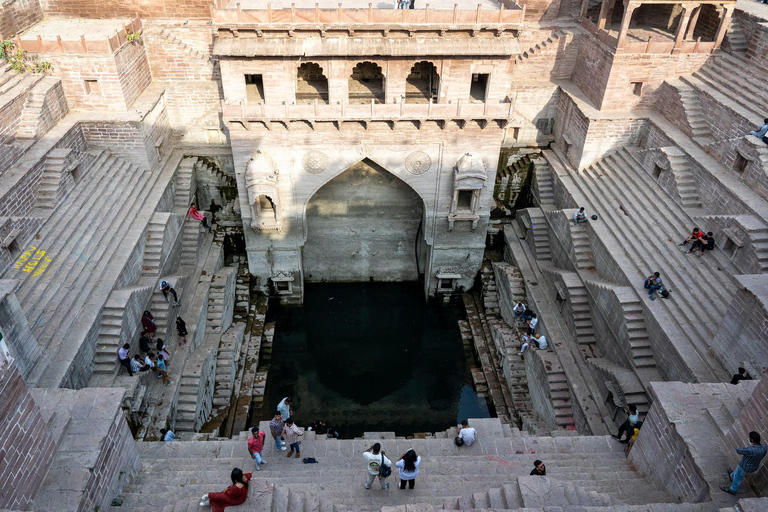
(364, 223)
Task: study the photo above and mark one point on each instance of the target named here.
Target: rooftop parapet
(70, 36)
(488, 14)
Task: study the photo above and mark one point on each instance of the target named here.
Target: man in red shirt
(695, 235)
(256, 445)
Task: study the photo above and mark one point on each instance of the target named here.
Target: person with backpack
(653, 283)
(632, 422)
(378, 465)
(408, 463)
(466, 434)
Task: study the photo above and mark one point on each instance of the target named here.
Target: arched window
(366, 83)
(422, 84)
(311, 84)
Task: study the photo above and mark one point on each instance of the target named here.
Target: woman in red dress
(148, 321)
(235, 494)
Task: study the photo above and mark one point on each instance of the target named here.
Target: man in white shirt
(467, 433)
(532, 324)
(541, 341)
(148, 360)
(580, 216)
(125, 357)
(374, 458)
(519, 310)
(284, 408)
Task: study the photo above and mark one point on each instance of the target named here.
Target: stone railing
(342, 111)
(657, 45)
(512, 14)
(108, 44)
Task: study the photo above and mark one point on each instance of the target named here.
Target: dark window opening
(637, 88)
(740, 164)
(254, 88)
(14, 249)
(75, 173)
(464, 201)
(479, 87)
(366, 83)
(729, 247)
(657, 172)
(422, 84)
(92, 87)
(311, 84)
(283, 286)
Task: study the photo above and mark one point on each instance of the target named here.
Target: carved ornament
(315, 162)
(418, 162)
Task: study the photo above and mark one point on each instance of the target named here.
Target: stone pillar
(584, 8)
(603, 14)
(685, 16)
(609, 14)
(724, 21)
(692, 23)
(628, 11)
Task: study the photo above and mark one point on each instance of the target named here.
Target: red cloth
(194, 214)
(256, 444)
(233, 495)
(148, 323)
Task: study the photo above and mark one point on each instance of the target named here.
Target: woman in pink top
(197, 216)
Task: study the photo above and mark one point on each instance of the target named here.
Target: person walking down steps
(632, 421)
(148, 321)
(197, 216)
(408, 463)
(166, 288)
(292, 433)
(750, 461)
(379, 466)
(181, 330)
(256, 445)
(276, 427)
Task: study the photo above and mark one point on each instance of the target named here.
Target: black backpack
(384, 470)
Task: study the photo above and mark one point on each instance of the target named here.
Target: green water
(368, 357)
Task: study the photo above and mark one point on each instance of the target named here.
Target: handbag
(384, 471)
(458, 441)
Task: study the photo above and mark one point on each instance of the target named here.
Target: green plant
(43, 67)
(132, 36)
(6, 49)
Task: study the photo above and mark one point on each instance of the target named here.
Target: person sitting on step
(580, 216)
(532, 324)
(653, 283)
(742, 375)
(761, 131)
(539, 469)
(707, 243)
(519, 311)
(235, 494)
(695, 235)
(166, 288)
(540, 341)
(197, 216)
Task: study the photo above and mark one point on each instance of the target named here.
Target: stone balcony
(340, 112)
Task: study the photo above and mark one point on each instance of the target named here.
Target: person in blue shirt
(167, 435)
(750, 461)
(761, 131)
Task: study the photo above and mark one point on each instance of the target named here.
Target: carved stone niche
(468, 181)
(261, 180)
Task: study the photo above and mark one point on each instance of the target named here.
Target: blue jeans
(258, 458)
(402, 5)
(278, 444)
(737, 476)
(653, 288)
(519, 315)
(295, 447)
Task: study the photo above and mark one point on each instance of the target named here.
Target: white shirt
(408, 475)
(149, 362)
(468, 435)
(533, 323)
(122, 353)
(518, 308)
(284, 409)
(634, 418)
(541, 342)
(373, 461)
(579, 215)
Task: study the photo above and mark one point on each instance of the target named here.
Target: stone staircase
(227, 359)
(544, 190)
(701, 292)
(582, 316)
(10, 79)
(541, 246)
(89, 244)
(582, 471)
(153, 247)
(537, 49)
(582, 253)
(639, 341)
(190, 243)
(684, 180)
(53, 171)
(700, 129)
(31, 115)
(195, 391)
(111, 330)
(735, 40)
(184, 177)
(718, 76)
(171, 39)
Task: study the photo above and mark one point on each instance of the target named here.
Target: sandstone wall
(24, 441)
(10, 115)
(18, 15)
(742, 339)
(17, 335)
(185, 9)
(753, 416)
(663, 456)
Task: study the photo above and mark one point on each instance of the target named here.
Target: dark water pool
(368, 357)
